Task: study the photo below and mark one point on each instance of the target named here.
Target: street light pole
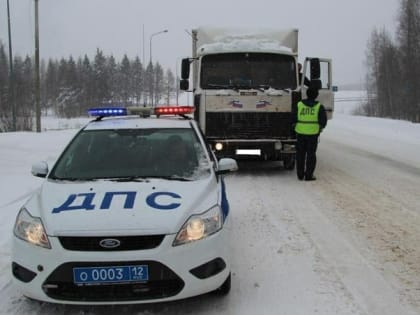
(151, 37)
(143, 60)
(151, 61)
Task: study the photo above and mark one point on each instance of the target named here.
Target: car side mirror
(40, 169)
(227, 165)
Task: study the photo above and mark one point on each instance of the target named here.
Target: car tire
(224, 289)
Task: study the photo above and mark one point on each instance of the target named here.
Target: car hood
(103, 208)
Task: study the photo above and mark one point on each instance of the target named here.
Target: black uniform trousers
(306, 146)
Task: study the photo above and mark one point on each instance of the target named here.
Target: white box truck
(245, 84)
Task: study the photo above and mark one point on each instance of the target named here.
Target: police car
(123, 217)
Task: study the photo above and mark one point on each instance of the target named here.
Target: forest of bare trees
(393, 68)
(69, 87)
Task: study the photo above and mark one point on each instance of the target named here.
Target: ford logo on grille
(109, 243)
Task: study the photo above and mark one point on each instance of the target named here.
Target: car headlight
(200, 226)
(30, 229)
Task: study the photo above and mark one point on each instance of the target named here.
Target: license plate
(112, 274)
(248, 152)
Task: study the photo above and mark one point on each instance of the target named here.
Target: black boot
(309, 178)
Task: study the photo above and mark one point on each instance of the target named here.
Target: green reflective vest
(307, 119)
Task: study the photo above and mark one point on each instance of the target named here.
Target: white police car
(123, 217)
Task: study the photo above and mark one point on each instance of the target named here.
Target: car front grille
(163, 283)
(125, 243)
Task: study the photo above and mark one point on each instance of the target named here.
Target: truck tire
(289, 162)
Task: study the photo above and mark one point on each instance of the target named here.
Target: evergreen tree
(69, 88)
(51, 84)
(158, 83)
(169, 85)
(112, 78)
(43, 77)
(124, 80)
(137, 82)
(86, 77)
(5, 107)
(100, 78)
(63, 90)
(23, 74)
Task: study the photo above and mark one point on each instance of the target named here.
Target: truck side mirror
(315, 69)
(184, 85)
(185, 69)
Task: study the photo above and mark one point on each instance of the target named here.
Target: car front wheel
(224, 289)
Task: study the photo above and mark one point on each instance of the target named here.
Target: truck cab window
(248, 70)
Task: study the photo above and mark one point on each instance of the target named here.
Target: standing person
(310, 119)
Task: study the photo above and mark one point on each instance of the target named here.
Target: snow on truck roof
(244, 45)
(218, 40)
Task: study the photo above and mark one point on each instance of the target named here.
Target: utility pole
(37, 80)
(144, 60)
(12, 98)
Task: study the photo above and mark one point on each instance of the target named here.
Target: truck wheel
(289, 163)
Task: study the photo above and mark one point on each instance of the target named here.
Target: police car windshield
(133, 155)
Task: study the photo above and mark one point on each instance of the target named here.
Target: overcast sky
(333, 29)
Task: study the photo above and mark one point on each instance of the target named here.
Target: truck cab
(244, 88)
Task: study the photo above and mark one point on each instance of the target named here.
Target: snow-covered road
(347, 243)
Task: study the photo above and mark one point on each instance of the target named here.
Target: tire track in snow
(380, 220)
(284, 248)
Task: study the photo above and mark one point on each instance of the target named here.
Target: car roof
(135, 122)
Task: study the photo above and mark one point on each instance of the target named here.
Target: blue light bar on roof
(107, 111)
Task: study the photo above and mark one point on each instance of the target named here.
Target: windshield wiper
(264, 87)
(139, 179)
(172, 177)
(72, 179)
(224, 86)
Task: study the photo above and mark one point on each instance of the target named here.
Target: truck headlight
(30, 229)
(200, 226)
(218, 146)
